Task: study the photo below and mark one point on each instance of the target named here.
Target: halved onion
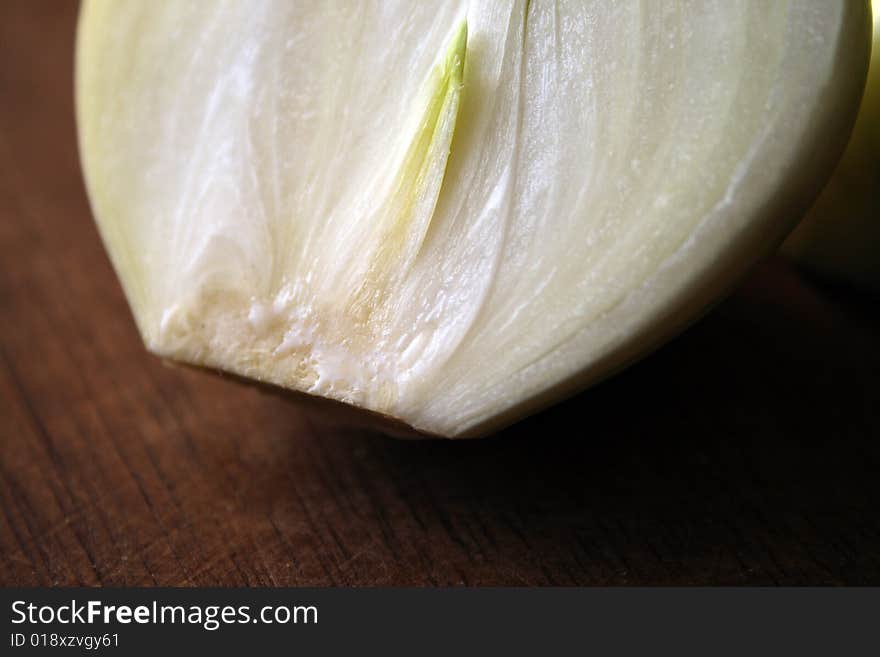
(451, 213)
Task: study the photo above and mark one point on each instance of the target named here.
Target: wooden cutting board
(746, 452)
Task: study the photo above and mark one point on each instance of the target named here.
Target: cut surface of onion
(450, 213)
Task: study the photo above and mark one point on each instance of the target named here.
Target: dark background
(745, 452)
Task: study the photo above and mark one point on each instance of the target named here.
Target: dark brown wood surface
(745, 452)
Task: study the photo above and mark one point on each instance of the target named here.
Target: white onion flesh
(450, 213)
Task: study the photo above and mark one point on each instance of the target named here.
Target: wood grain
(745, 452)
